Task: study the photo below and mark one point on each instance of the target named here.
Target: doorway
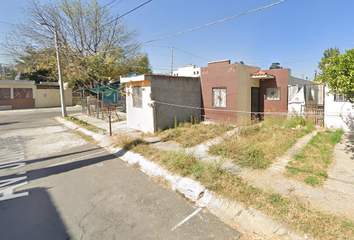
(255, 103)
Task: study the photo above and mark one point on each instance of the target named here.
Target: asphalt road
(54, 185)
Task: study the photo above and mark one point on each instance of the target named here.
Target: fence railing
(94, 107)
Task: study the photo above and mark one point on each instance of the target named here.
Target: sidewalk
(117, 127)
(336, 196)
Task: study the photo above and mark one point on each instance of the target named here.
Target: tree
(338, 73)
(95, 45)
(328, 53)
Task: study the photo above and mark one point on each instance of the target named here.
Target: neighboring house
(187, 71)
(338, 112)
(228, 91)
(21, 94)
(306, 99)
(17, 94)
(274, 88)
(237, 92)
(153, 101)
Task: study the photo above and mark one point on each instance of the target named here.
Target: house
(338, 112)
(228, 90)
(154, 101)
(306, 100)
(274, 88)
(238, 92)
(187, 71)
(17, 94)
(21, 94)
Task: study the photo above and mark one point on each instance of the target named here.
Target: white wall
(141, 119)
(187, 71)
(338, 114)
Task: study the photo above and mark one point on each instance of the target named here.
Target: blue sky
(294, 33)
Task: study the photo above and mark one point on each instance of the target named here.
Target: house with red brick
(237, 92)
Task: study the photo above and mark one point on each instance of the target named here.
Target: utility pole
(171, 60)
(61, 84)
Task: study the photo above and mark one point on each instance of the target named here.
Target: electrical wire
(206, 17)
(124, 15)
(248, 112)
(206, 25)
(7, 23)
(216, 22)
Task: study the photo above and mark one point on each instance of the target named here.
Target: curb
(233, 213)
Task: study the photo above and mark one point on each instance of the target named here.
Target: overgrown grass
(127, 142)
(311, 164)
(85, 124)
(189, 135)
(85, 137)
(303, 219)
(259, 145)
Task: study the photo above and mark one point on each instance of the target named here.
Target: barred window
(219, 97)
(137, 96)
(5, 93)
(339, 97)
(23, 93)
(272, 94)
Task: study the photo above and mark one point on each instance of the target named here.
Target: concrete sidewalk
(117, 127)
(248, 220)
(336, 196)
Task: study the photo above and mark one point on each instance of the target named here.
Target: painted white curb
(250, 220)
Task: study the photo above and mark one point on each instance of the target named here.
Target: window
(340, 98)
(272, 93)
(5, 93)
(137, 96)
(219, 97)
(23, 93)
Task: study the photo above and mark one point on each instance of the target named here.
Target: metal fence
(102, 109)
(311, 99)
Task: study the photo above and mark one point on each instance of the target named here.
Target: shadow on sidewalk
(349, 148)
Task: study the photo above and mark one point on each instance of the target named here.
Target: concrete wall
(51, 97)
(245, 83)
(338, 114)
(170, 91)
(158, 93)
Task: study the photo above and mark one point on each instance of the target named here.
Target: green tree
(330, 52)
(338, 74)
(95, 45)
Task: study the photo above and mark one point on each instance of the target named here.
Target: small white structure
(153, 101)
(338, 112)
(187, 71)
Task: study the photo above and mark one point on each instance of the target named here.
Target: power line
(207, 16)
(126, 13)
(191, 54)
(209, 24)
(7, 23)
